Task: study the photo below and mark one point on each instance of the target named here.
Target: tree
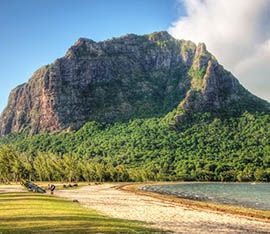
(10, 166)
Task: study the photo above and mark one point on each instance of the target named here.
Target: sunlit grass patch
(35, 213)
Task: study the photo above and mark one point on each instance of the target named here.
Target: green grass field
(35, 213)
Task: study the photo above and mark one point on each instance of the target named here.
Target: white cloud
(237, 32)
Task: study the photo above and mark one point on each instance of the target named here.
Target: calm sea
(242, 194)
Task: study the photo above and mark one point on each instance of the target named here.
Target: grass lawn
(35, 213)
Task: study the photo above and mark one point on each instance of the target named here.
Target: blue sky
(36, 32)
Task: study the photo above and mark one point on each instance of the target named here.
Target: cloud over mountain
(236, 32)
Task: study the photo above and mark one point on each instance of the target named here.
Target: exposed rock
(122, 78)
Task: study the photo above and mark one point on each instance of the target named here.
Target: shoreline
(124, 201)
(249, 213)
(134, 187)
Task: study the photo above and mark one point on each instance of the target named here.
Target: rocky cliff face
(127, 77)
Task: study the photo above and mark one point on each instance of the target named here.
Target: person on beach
(51, 187)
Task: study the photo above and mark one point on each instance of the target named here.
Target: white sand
(161, 214)
(11, 188)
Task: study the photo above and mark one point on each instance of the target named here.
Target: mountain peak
(82, 40)
(123, 78)
(162, 36)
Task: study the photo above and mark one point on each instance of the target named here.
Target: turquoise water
(242, 194)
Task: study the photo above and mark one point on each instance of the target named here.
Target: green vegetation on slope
(231, 149)
(33, 213)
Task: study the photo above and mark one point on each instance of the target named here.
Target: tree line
(15, 166)
(233, 149)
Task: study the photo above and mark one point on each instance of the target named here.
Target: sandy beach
(11, 188)
(170, 216)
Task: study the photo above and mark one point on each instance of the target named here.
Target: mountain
(126, 78)
(144, 108)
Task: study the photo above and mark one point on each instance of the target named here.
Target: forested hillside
(231, 149)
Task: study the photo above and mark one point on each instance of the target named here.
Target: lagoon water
(242, 194)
